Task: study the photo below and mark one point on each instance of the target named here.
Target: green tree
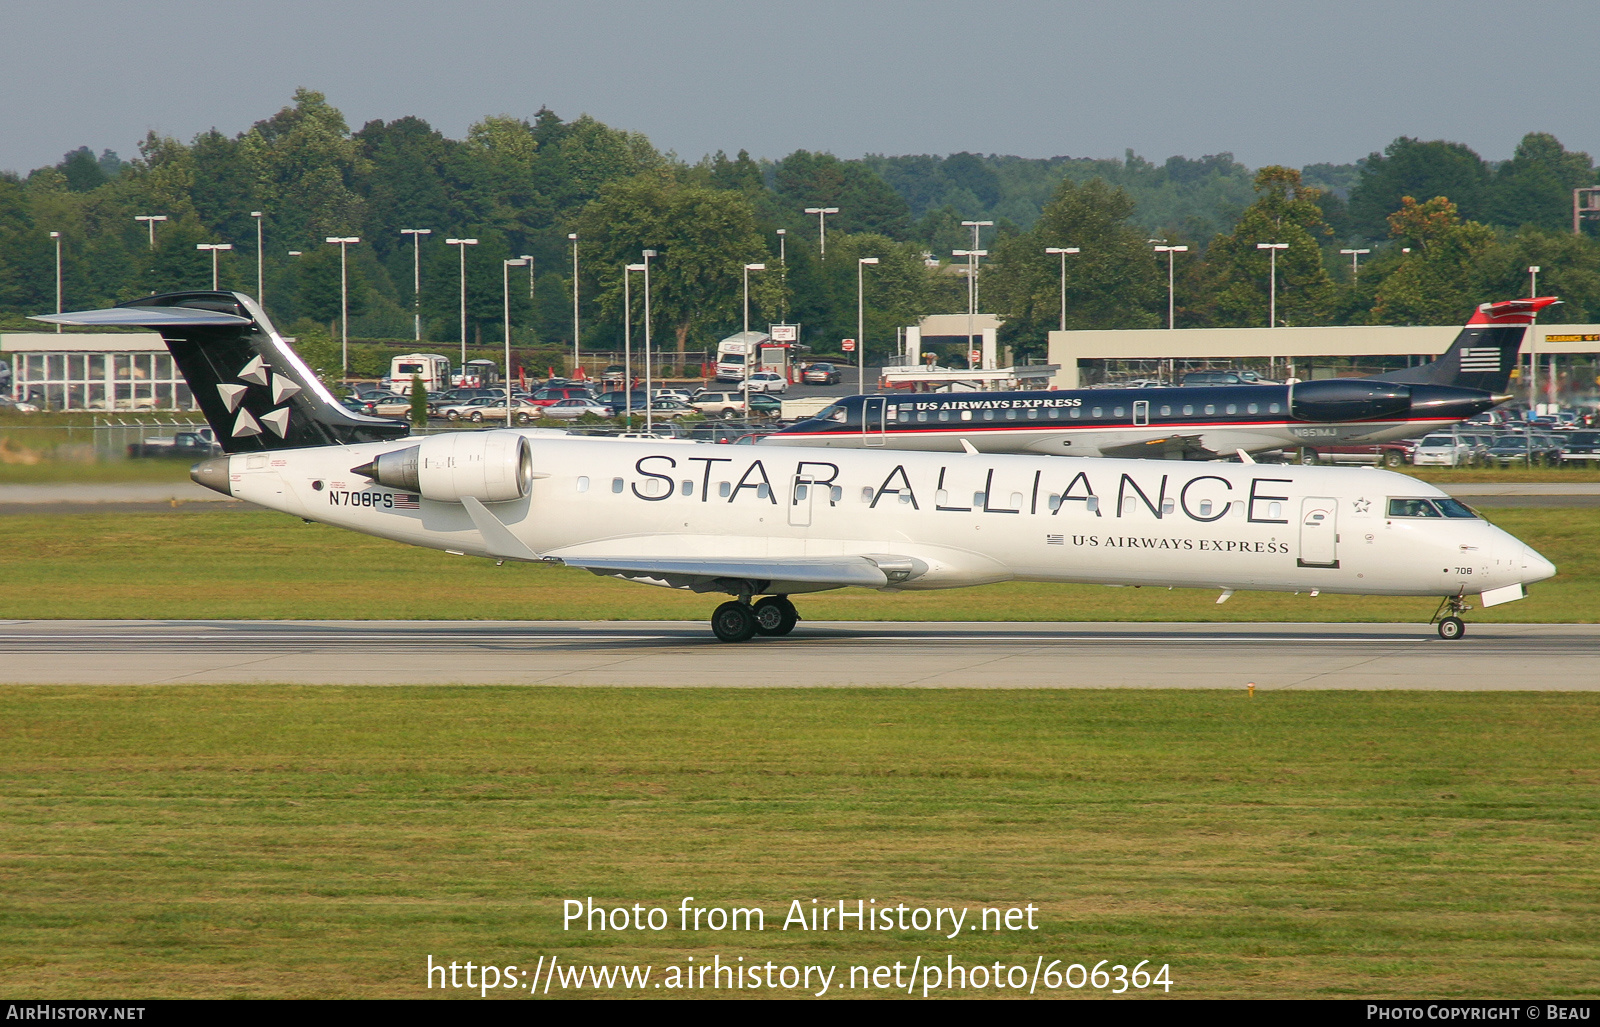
(866, 202)
(419, 402)
(1535, 186)
(1112, 282)
(1410, 167)
(704, 238)
(305, 166)
(1286, 211)
(1440, 279)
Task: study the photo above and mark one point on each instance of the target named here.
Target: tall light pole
(977, 227)
(344, 243)
(1355, 263)
(1171, 308)
(416, 277)
(1533, 355)
(972, 293)
(649, 413)
(783, 269)
(627, 343)
(505, 292)
(217, 247)
(576, 351)
(747, 361)
(822, 226)
(57, 237)
(529, 258)
(261, 278)
(861, 325)
(150, 222)
(1272, 249)
(1062, 251)
(463, 244)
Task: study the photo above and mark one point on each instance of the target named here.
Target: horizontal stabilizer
(145, 317)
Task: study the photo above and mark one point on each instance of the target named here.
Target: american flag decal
(405, 501)
(1480, 359)
(1055, 540)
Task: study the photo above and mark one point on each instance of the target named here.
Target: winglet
(1245, 458)
(497, 537)
(968, 447)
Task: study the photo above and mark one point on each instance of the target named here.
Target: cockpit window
(832, 413)
(1455, 508)
(1413, 508)
(1430, 508)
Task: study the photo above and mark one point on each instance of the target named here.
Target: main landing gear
(1451, 627)
(739, 620)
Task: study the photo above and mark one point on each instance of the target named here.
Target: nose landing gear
(738, 621)
(1451, 627)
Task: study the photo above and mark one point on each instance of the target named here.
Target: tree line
(1445, 230)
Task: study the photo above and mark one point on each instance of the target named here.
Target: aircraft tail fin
(254, 390)
(1485, 353)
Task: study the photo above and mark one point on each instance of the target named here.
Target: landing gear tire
(775, 615)
(733, 622)
(1452, 628)
(1308, 458)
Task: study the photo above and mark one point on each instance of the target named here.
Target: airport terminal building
(94, 371)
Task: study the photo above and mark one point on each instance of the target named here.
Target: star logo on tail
(256, 372)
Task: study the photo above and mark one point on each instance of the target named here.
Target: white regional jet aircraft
(755, 522)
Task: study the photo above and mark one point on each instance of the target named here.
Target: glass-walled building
(94, 371)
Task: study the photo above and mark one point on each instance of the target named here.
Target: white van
(433, 369)
(737, 354)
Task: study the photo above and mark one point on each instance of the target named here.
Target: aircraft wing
(1168, 447)
(781, 574)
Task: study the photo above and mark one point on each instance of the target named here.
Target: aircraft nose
(1535, 567)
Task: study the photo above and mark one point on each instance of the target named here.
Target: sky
(1291, 82)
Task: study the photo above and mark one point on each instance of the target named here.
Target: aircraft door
(872, 415)
(1319, 532)
(802, 493)
(1141, 412)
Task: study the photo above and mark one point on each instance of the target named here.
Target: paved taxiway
(818, 654)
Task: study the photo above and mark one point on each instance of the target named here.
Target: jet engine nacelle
(1349, 399)
(491, 467)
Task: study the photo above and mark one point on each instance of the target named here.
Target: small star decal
(1362, 505)
(256, 372)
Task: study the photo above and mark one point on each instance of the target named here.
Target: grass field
(208, 564)
(274, 841)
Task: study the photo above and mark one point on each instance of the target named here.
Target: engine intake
(491, 467)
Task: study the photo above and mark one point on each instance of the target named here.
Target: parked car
(1581, 447)
(574, 407)
(453, 397)
(552, 394)
(1530, 449)
(670, 408)
(477, 408)
(1225, 378)
(615, 400)
(822, 374)
(682, 395)
(191, 445)
(1443, 450)
(719, 404)
(768, 381)
(388, 405)
(1389, 454)
(765, 405)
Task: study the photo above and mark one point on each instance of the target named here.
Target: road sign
(784, 333)
(849, 345)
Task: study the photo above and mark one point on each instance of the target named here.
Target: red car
(556, 393)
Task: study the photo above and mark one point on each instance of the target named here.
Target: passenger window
(904, 416)
(1167, 506)
(905, 496)
(966, 415)
(1016, 501)
(944, 415)
(1253, 408)
(1233, 408)
(1033, 414)
(1116, 412)
(583, 484)
(799, 493)
(835, 494)
(922, 416)
(1274, 408)
(1188, 409)
(1205, 508)
(1054, 503)
(1092, 504)
(763, 490)
(866, 493)
(1275, 510)
(1011, 415)
(1211, 408)
(988, 415)
(1075, 413)
(1166, 411)
(724, 489)
(1053, 414)
(941, 497)
(979, 498)
(687, 488)
(616, 485)
(1095, 412)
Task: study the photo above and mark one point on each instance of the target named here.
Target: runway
(1493, 657)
